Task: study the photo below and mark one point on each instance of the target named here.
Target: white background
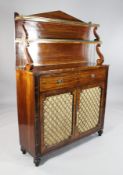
(93, 155)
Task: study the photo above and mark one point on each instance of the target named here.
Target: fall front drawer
(65, 80)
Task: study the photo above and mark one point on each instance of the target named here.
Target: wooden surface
(52, 82)
(51, 30)
(56, 15)
(101, 82)
(26, 109)
(47, 69)
(27, 105)
(51, 53)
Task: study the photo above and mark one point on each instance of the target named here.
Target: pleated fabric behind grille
(88, 113)
(57, 118)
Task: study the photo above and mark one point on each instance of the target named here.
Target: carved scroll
(28, 66)
(100, 60)
(96, 35)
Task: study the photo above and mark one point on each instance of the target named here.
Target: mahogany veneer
(61, 95)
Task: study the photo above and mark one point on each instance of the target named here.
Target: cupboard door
(57, 119)
(88, 109)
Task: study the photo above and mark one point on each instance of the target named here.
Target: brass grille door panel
(88, 109)
(57, 119)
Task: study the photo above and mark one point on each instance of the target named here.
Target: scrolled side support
(28, 66)
(100, 59)
(97, 37)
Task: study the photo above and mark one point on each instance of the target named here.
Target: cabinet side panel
(25, 103)
(104, 96)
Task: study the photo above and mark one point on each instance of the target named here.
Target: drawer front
(57, 82)
(68, 80)
(92, 76)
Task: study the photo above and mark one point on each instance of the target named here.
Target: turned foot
(36, 161)
(23, 151)
(100, 132)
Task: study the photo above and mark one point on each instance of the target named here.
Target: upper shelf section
(55, 17)
(53, 25)
(54, 38)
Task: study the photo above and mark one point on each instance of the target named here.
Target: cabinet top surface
(66, 68)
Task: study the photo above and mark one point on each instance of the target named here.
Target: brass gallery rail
(22, 40)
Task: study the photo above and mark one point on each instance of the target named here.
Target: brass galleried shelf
(19, 40)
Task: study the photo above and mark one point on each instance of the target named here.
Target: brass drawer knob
(59, 81)
(93, 75)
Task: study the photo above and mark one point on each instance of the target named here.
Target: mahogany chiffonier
(61, 81)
